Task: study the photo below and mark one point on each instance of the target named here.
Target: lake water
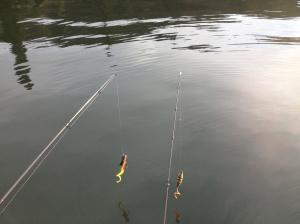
(240, 103)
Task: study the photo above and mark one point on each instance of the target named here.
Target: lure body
(123, 165)
(179, 182)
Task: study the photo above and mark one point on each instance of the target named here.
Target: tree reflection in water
(13, 35)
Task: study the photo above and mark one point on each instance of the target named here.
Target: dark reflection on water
(240, 61)
(202, 48)
(13, 34)
(280, 40)
(110, 22)
(125, 212)
(113, 22)
(178, 216)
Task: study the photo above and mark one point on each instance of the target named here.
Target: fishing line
(171, 150)
(18, 185)
(124, 160)
(180, 124)
(119, 116)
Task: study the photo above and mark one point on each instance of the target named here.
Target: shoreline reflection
(13, 35)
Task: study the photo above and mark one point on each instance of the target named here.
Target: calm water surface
(241, 123)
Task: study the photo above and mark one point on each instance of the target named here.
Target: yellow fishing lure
(179, 182)
(123, 165)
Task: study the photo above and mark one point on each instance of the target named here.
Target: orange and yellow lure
(123, 165)
(179, 182)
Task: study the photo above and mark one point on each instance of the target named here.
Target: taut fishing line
(180, 124)
(119, 116)
(124, 159)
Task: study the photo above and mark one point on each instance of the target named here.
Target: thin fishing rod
(171, 149)
(12, 192)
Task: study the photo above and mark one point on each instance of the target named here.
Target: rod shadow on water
(125, 212)
(13, 35)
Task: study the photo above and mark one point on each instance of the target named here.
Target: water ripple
(235, 30)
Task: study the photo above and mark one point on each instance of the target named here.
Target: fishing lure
(179, 182)
(123, 165)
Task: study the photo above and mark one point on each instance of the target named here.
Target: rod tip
(180, 73)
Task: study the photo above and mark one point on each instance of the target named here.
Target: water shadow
(125, 212)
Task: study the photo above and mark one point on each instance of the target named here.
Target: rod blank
(171, 149)
(17, 186)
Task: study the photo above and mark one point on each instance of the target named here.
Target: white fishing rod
(17, 186)
(172, 147)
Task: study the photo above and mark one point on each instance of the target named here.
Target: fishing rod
(18, 185)
(171, 149)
